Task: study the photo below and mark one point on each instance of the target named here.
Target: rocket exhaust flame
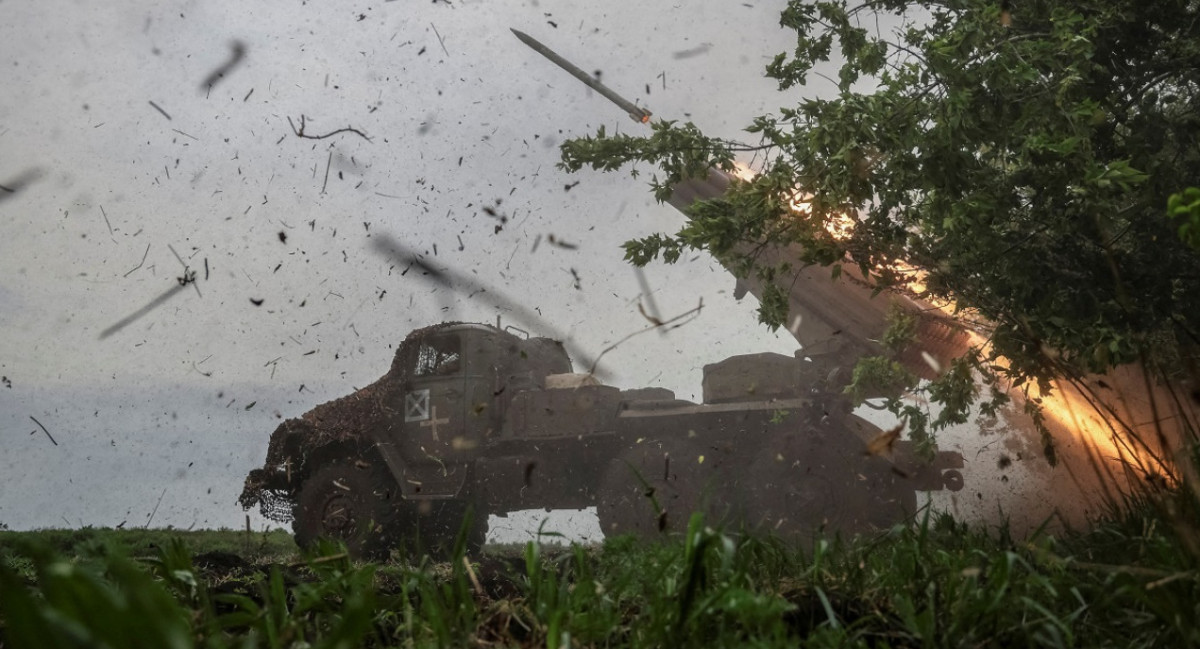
(1120, 447)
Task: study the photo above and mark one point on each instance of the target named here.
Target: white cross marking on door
(416, 406)
(433, 422)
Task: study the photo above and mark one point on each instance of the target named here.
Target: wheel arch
(353, 450)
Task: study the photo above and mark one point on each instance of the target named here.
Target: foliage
(78, 607)
(1017, 159)
(876, 375)
(1184, 211)
(89, 541)
(902, 329)
(684, 150)
(1130, 582)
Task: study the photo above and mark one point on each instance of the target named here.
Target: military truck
(481, 419)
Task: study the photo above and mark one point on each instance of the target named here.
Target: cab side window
(438, 357)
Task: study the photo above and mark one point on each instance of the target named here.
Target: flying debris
(459, 282)
(10, 187)
(636, 112)
(238, 52)
(884, 442)
(181, 283)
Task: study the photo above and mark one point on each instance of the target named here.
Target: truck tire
(803, 489)
(883, 495)
(796, 499)
(652, 490)
(348, 501)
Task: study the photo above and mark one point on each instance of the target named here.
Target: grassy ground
(147, 542)
(1132, 582)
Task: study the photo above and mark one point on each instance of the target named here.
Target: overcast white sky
(122, 153)
(458, 123)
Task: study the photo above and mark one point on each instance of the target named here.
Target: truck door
(433, 417)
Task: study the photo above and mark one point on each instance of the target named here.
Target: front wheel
(351, 502)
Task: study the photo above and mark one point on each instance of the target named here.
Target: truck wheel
(884, 495)
(345, 501)
(819, 489)
(791, 500)
(653, 489)
(952, 480)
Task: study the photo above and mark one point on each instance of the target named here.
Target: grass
(1130, 582)
(146, 542)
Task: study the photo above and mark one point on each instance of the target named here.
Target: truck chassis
(472, 419)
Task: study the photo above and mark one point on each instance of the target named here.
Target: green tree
(1184, 210)
(1021, 158)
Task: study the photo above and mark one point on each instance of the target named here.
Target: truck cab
(452, 388)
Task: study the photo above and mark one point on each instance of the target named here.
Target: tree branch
(300, 131)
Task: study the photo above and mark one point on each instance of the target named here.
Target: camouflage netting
(340, 420)
(274, 504)
(291, 445)
(344, 418)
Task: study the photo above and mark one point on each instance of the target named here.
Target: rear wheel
(821, 484)
(795, 497)
(653, 489)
